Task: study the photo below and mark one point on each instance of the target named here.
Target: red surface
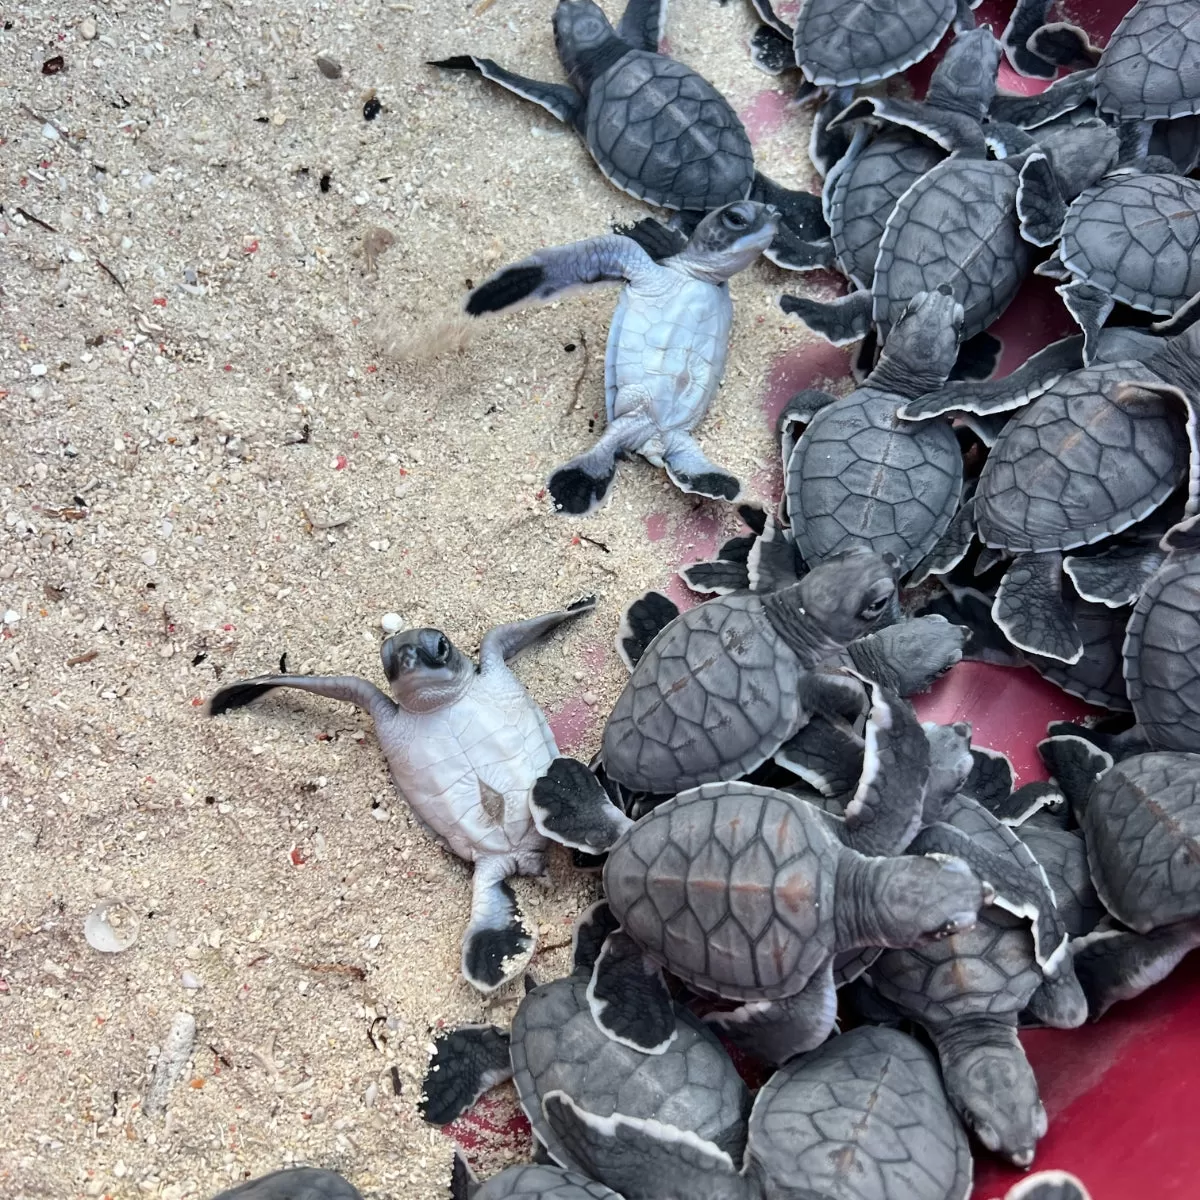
(1123, 1096)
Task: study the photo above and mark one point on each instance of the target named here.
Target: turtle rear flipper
(644, 619)
(591, 932)
(466, 1063)
(691, 472)
(1048, 1185)
(1076, 764)
(778, 1030)
(1022, 890)
(629, 997)
(557, 99)
(1028, 16)
(840, 321)
(498, 944)
(1029, 608)
(582, 485)
(642, 1158)
(991, 1084)
(1114, 965)
(570, 806)
(294, 1183)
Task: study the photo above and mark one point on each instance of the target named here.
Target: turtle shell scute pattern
(731, 887)
(665, 135)
(1137, 237)
(1142, 827)
(863, 194)
(535, 1181)
(1162, 656)
(1076, 466)
(557, 1045)
(843, 42)
(1150, 69)
(714, 696)
(863, 477)
(958, 225)
(865, 1115)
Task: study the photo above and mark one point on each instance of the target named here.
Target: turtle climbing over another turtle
(464, 745)
(1140, 819)
(656, 128)
(968, 990)
(530, 1181)
(840, 44)
(1133, 238)
(294, 1183)
(860, 476)
(666, 347)
(555, 1044)
(862, 1118)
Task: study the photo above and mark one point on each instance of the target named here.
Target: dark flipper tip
(506, 289)
(236, 695)
(456, 62)
(575, 492)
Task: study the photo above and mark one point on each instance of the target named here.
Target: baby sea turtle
(862, 1118)
(1095, 453)
(656, 128)
(1049, 1185)
(1140, 820)
(666, 346)
(726, 683)
(556, 1045)
(863, 187)
(840, 44)
(531, 1181)
(860, 476)
(967, 991)
(1133, 238)
(295, 1183)
(464, 745)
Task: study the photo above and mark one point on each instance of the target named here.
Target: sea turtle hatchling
(666, 347)
(656, 128)
(862, 1118)
(555, 1044)
(464, 745)
(1140, 819)
(860, 476)
(295, 1183)
(529, 1181)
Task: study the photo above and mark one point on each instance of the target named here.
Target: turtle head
(950, 764)
(847, 594)
(729, 239)
(587, 43)
(425, 669)
(965, 79)
(922, 346)
(1080, 153)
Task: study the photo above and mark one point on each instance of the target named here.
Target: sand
(207, 462)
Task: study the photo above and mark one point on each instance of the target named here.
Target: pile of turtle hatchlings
(781, 841)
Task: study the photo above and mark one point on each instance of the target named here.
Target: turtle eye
(735, 219)
(443, 649)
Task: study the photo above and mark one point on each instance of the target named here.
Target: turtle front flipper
(498, 943)
(1076, 764)
(716, 578)
(886, 807)
(1090, 307)
(506, 641)
(1040, 205)
(1017, 882)
(644, 1159)
(1027, 802)
(349, 688)
(950, 549)
(1116, 575)
(991, 778)
(1115, 965)
(691, 472)
(777, 1030)
(802, 241)
(1029, 608)
(826, 754)
(570, 807)
(557, 99)
(644, 619)
(1027, 17)
(1059, 1002)
(840, 321)
(1049, 1185)
(629, 998)
(991, 1084)
(466, 1063)
(1064, 45)
(953, 131)
(1036, 375)
(642, 24)
(463, 1183)
(911, 655)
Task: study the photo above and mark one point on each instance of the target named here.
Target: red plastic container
(1123, 1096)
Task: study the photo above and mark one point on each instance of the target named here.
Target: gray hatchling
(1048, 1185)
(464, 744)
(862, 1118)
(666, 347)
(297, 1183)
(749, 893)
(556, 1045)
(529, 1181)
